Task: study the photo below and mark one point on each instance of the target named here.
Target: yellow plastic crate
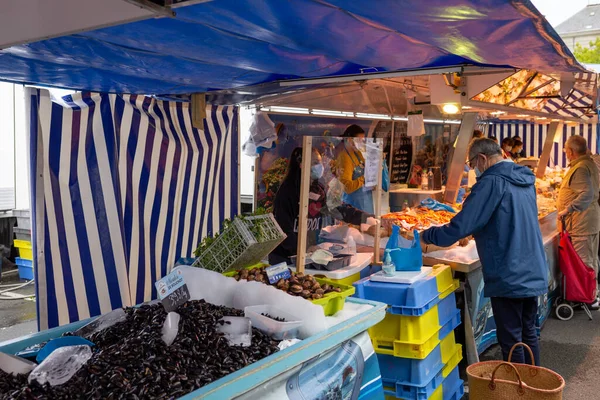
(407, 329)
(445, 281)
(348, 281)
(25, 249)
(451, 363)
(331, 302)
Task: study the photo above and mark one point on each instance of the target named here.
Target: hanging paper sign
(172, 290)
(277, 272)
(372, 168)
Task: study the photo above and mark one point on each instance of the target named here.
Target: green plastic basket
(245, 242)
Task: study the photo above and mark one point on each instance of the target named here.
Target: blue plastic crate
(25, 268)
(410, 371)
(421, 295)
(453, 388)
(409, 299)
(448, 376)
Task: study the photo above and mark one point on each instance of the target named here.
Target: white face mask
(477, 172)
(360, 144)
(316, 171)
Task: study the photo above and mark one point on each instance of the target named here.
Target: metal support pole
(548, 145)
(457, 165)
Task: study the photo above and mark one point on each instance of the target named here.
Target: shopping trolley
(578, 283)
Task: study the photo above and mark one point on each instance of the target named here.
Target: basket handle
(492, 384)
(521, 344)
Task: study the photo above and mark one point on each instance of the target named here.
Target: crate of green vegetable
(242, 242)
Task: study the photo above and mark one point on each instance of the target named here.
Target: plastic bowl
(277, 330)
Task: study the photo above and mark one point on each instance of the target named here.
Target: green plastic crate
(245, 242)
(331, 302)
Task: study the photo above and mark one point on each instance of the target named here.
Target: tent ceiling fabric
(229, 43)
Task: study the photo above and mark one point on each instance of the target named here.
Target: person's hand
(463, 242)
(563, 213)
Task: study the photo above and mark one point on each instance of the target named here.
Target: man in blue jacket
(501, 214)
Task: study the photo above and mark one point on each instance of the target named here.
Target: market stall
(124, 184)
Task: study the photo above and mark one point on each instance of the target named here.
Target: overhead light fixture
(522, 115)
(541, 118)
(466, 107)
(292, 110)
(497, 112)
(442, 121)
(450, 108)
(332, 113)
(400, 118)
(373, 116)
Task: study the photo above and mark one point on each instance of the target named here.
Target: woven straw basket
(498, 380)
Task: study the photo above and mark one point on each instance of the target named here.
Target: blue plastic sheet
(230, 43)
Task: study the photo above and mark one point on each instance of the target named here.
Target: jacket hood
(516, 174)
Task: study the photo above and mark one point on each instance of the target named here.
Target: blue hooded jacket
(501, 214)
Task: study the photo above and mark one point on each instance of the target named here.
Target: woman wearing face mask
(507, 146)
(287, 207)
(351, 169)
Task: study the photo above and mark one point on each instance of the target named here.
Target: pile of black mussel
(131, 361)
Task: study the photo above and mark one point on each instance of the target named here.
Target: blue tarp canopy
(226, 44)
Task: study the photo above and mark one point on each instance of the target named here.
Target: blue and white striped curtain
(122, 186)
(533, 136)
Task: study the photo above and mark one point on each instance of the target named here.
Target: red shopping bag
(579, 279)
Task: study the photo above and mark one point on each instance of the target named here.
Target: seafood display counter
(344, 345)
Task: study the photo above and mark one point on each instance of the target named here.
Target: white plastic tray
(407, 277)
(359, 262)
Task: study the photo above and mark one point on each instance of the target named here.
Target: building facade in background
(582, 28)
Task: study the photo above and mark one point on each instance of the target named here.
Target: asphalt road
(571, 348)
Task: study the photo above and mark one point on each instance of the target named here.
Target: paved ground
(17, 317)
(572, 349)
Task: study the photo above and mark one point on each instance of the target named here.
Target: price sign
(172, 290)
(277, 272)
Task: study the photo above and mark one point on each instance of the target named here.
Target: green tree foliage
(588, 55)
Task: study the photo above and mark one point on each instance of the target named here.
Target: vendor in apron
(351, 169)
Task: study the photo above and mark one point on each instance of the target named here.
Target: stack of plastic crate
(415, 344)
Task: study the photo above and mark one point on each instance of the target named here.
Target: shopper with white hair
(578, 202)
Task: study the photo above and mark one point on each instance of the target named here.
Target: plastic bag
(61, 365)
(406, 259)
(170, 328)
(262, 130)
(385, 179)
(335, 194)
(436, 205)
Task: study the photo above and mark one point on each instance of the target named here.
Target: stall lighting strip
(348, 114)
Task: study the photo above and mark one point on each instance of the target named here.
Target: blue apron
(359, 198)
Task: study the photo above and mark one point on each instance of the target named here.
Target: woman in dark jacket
(287, 207)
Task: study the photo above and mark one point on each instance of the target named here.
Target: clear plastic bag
(61, 365)
(335, 194)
